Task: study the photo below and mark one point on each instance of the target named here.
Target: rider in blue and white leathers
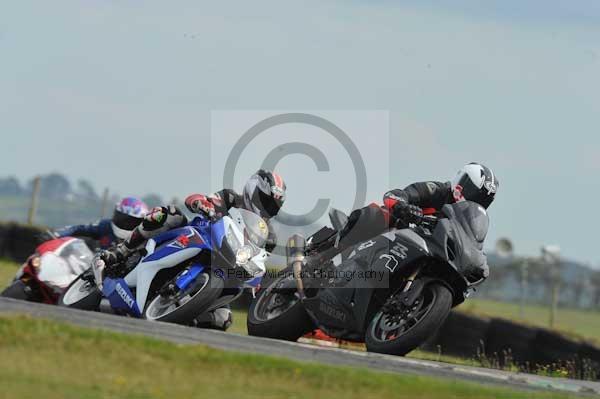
(264, 194)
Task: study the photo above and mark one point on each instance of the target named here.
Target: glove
(198, 203)
(404, 214)
(115, 255)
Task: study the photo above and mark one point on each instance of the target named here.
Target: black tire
(438, 310)
(552, 347)
(199, 303)
(463, 335)
(290, 325)
(504, 337)
(17, 290)
(89, 302)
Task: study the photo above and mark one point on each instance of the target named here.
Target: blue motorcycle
(181, 273)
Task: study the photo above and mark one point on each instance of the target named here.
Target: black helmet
(475, 182)
(264, 193)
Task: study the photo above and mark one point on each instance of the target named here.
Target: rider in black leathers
(474, 182)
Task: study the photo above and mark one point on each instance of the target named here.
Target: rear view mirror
(338, 218)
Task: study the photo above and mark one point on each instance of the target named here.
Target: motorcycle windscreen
(470, 225)
(78, 256)
(479, 222)
(472, 217)
(255, 228)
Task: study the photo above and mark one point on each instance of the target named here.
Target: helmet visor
(266, 204)
(125, 221)
(471, 192)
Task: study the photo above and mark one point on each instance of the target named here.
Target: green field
(7, 272)
(577, 322)
(44, 359)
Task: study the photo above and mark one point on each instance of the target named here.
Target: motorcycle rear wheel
(278, 315)
(400, 332)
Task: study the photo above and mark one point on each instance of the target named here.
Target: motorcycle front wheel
(82, 293)
(278, 313)
(184, 307)
(397, 331)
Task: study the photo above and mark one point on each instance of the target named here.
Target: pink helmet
(128, 214)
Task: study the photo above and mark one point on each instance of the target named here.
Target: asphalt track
(297, 351)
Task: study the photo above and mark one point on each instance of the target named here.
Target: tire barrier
(462, 335)
(550, 347)
(505, 344)
(509, 343)
(18, 241)
(590, 361)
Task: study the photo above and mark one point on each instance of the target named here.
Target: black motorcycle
(392, 292)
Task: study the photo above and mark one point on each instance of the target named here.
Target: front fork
(412, 289)
(181, 281)
(98, 266)
(411, 279)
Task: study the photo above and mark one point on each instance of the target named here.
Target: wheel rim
(389, 326)
(162, 306)
(80, 289)
(271, 305)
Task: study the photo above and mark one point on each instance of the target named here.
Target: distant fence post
(555, 295)
(104, 203)
(524, 277)
(34, 200)
(551, 256)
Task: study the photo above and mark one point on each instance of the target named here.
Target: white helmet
(475, 182)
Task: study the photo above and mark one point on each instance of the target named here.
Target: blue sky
(121, 92)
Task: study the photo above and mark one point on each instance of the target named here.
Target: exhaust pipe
(295, 256)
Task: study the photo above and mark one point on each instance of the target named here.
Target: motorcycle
(181, 273)
(426, 270)
(49, 270)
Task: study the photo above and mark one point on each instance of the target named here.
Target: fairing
(343, 307)
(61, 261)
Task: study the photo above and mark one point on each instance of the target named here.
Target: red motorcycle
(49, 271)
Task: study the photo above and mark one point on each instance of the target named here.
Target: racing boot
(218, 319)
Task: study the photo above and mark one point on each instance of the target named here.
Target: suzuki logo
(124, 295)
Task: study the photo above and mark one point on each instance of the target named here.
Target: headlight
(244, 254)
(35, 262)
(232, 240)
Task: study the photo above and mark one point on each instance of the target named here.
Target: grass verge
(7, 272)
(45, 359)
